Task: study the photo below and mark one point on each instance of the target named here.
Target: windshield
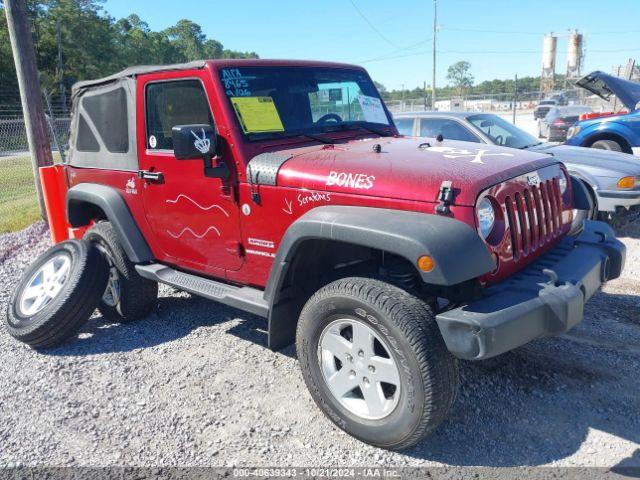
(502, 132)
(548, 102)
(577, 110)
(282, 101)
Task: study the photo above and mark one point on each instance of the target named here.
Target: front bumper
(547, 298)
(608, 200)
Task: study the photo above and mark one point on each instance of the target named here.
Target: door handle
(151, 177)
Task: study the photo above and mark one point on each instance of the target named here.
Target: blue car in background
(620, 133)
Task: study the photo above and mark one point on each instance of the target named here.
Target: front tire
(375, 363)
(127, 296)
(607, 145)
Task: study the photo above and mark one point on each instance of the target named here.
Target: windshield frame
(361, 126)
(528, 139)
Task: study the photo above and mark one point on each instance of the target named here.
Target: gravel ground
(195, 385)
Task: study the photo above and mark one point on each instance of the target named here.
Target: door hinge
(234, 248)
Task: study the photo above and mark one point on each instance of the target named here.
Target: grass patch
(18, 201)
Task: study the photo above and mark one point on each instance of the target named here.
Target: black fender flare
(109, 200)
(458, 251)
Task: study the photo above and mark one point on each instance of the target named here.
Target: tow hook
(553, 276)
(445, 196)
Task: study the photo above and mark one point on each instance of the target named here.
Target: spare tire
(57, 294)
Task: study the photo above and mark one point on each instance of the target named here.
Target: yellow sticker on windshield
(257, 114)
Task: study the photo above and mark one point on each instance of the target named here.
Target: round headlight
(563, 184)
(486, 217)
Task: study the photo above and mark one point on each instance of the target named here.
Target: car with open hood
(283, 189)
(615, 131)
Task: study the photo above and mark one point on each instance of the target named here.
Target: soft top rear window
(108, 112)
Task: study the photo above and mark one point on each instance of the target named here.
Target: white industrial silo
(549, 51)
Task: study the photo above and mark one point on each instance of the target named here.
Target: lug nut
(360, 353)
(365, 380)
(372, 369)
(349, 358)
(352, 373)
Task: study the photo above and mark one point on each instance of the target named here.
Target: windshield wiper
(268, 135)
(529, 146)
(381, 133)
(317, 137)
(358, 126)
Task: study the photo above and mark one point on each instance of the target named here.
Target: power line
(391, 54)
(489, 52)
(473, 30)
(512, 32)
(373, 27)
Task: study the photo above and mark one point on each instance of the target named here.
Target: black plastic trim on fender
(110, 201)
(458, 251)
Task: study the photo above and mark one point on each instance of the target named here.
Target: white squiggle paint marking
(197, 204)
(187, 229)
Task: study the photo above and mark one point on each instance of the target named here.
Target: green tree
(94, 44)
(459, 74)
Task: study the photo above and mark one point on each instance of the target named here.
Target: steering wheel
(499, 139)
(330, 116)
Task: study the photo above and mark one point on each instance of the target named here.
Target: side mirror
(193, 141)
(198, 142)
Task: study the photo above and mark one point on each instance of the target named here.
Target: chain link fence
(18, 201)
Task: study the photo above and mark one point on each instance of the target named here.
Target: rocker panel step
(245, 298)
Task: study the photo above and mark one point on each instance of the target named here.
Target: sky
(393, 39)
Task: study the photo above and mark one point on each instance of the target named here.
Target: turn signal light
(627, 182)
(426, 263)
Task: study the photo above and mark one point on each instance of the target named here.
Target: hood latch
(445, 196)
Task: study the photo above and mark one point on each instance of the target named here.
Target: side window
(86, 141)
(404, 125)
(180, 102)
(450, 130)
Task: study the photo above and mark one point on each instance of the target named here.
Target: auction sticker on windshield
(373, 110)
(257, 114)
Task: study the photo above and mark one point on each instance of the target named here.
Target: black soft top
(131, 72)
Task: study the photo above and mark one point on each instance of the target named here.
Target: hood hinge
(445, 196)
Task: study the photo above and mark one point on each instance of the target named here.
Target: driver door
(195, 223)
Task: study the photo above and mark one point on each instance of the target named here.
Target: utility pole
(515, 98)
(435, 31)
(424, 95)
(30, 96)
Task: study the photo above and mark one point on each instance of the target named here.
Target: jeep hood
(605, 85)
(405, 168)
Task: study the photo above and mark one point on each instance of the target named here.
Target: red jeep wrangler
(283, 189)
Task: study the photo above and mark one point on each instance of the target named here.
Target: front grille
(534, 217)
